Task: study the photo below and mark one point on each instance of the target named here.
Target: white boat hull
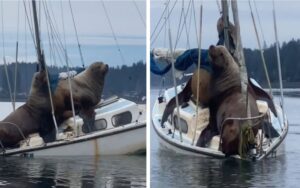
(187, 147)
(126, 140)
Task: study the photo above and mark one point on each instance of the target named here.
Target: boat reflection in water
(106, 171)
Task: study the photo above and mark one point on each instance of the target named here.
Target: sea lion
(31, 116)
(86, 89)
(227, 102)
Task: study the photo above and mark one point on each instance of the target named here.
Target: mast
(42, 65)
(37, 38)
(239, 53)
(226, 24)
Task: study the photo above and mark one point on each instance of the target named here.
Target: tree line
(124, 81)
(290, 66)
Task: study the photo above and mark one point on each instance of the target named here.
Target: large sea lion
(227, 102)
(86, 89)
(31, 116)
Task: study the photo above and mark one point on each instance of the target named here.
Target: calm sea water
(173, 170)
(86, 172)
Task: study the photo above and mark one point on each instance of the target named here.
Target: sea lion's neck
(225, 79)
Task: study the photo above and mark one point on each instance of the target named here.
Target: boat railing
(19, 130)
(251, 123)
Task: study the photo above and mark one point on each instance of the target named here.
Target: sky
(287, 15)
(92, 25)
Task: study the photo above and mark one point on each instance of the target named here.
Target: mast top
(41, 59)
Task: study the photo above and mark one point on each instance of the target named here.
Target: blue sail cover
(54, 78)
(183, 62)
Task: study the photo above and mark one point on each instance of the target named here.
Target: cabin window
(183, 123)
(121, 119)
(100, 124)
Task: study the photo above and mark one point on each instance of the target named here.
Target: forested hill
(290, 63)
(125, 81)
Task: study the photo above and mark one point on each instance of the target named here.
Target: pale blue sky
(287, 13)
(92, 25)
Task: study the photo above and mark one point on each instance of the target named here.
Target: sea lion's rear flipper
(206, 135)
(260, 94)
(183, 96)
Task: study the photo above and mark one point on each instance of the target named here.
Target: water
(112, 171)
(173, 170)
(105, 171)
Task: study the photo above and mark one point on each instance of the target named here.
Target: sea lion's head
(220, 56)
(39, 82)
(237, 138)
(98, 70)
(39, 94)
(230, 137)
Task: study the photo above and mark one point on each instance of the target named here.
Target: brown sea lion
(204, 84)
(86, 89)
(190, 91)
(227, 102)
(31, 116)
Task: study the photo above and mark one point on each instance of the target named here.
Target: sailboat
(187, 120)
(120, 126)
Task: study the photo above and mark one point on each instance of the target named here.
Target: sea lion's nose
(212, 50)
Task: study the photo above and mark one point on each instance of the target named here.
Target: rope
(261, 51)
(4, 60)
(198, 75)
(247, 139)
(79, 46)
(112, 30)
(139, 12)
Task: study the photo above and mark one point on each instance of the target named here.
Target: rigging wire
(195, 24)
(58, 46)
(261, 51)
(179, 25)
(139, 12)
(161, 28)
(4, 60)
(30, 24)
(219, 6)
(79, 46)
(198, 75)
(259, 23)
(278, 63)
(174, 82)
(161, 17)
(113, 32)
(67, 62)
(184, 25)
(16, 63)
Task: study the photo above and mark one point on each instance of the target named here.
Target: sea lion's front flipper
(206, 135)
(260, 94)
(183, 96)
(88, 117)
